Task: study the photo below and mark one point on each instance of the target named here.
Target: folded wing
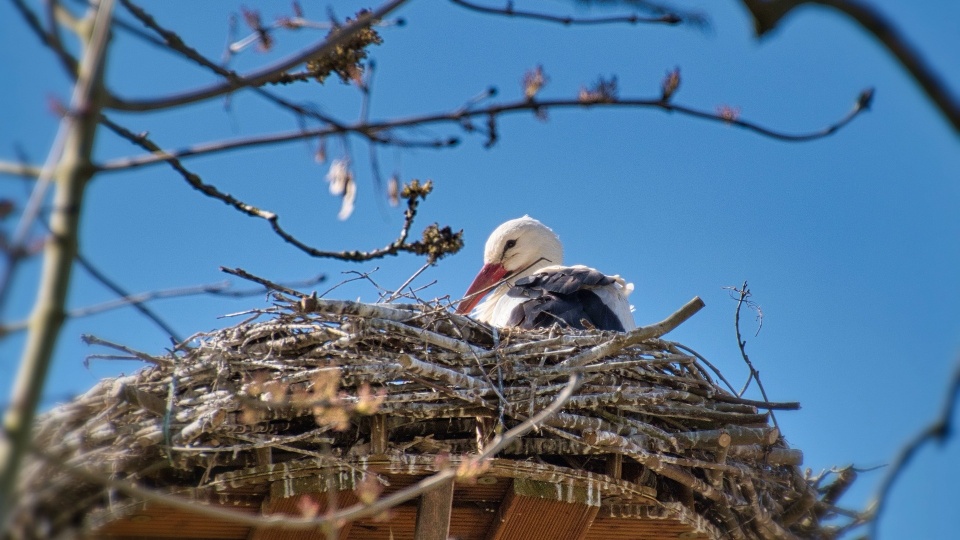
(575, 296)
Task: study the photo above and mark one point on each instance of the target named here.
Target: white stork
(537, 290)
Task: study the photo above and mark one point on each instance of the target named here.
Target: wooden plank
(614, 466)
(158, 521)
(545, 511)
(433, 513)
(295, 497)
(379, 434)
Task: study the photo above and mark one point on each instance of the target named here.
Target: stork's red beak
(489, 275)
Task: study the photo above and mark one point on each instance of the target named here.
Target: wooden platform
(510, 500)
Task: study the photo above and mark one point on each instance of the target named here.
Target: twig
(939, 431)
(173, 42)
(359, 276)
(243, 274)
(358, 511)
(700, 357)
(51, 40)
(767, 14)
(396, 294)
(744, 294)
(266, 73)
(125, 299)
(621, 341)
(668, 18)
(94, 340)
(70, 160)
(221, 289)
(415, 195)
(20, 169)
(458, 116)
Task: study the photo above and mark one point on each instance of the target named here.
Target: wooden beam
(614, 466)
(295, 496)
(433, 513)
(533, 509)
(379, 434)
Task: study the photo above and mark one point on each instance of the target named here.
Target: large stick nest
(310, 377)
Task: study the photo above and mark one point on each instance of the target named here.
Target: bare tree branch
(436, 242)
(460, 116)
(667, 18)
(50, 39)
(125, 299)
(138, 301)
(939, 431)
(20, 169)
(73, 170)
(264, 74)
(173, 42)
(767, 14)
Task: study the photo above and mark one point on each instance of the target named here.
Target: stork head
(515, 249)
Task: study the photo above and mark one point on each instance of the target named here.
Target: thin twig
(264, 74)
(20, 169)
(358, 511)
(939, 431)
(509, 11)
(125, 299)
(173, 42)
(458, 116)
(396, 294)
(222, 289)
(94, 340)
(50, 40)
(394, 248)
(744, 294)
(767, 14)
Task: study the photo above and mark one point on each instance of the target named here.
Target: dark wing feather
(563, 297)
(566, 281)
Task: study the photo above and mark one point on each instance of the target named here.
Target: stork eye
(510, 244)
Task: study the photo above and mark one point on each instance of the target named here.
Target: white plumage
(536, 290)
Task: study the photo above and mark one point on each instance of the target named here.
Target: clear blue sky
(850, 243)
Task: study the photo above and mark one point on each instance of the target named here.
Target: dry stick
(173, 42)
(768, 13)
(761, 518)
(357, 511)
(20, 169)
(333, 307)
(668, 18)
(700, 357)
(458, 116)
(51, 39)
(621, 341)
(939, 431)
(125, 299)
(93, 340)
(744, 293)
(194, 180)
(396, 294)
(653, 462)
(266, 73)
(70, 161)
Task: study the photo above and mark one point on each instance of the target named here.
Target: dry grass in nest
(307, 380)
